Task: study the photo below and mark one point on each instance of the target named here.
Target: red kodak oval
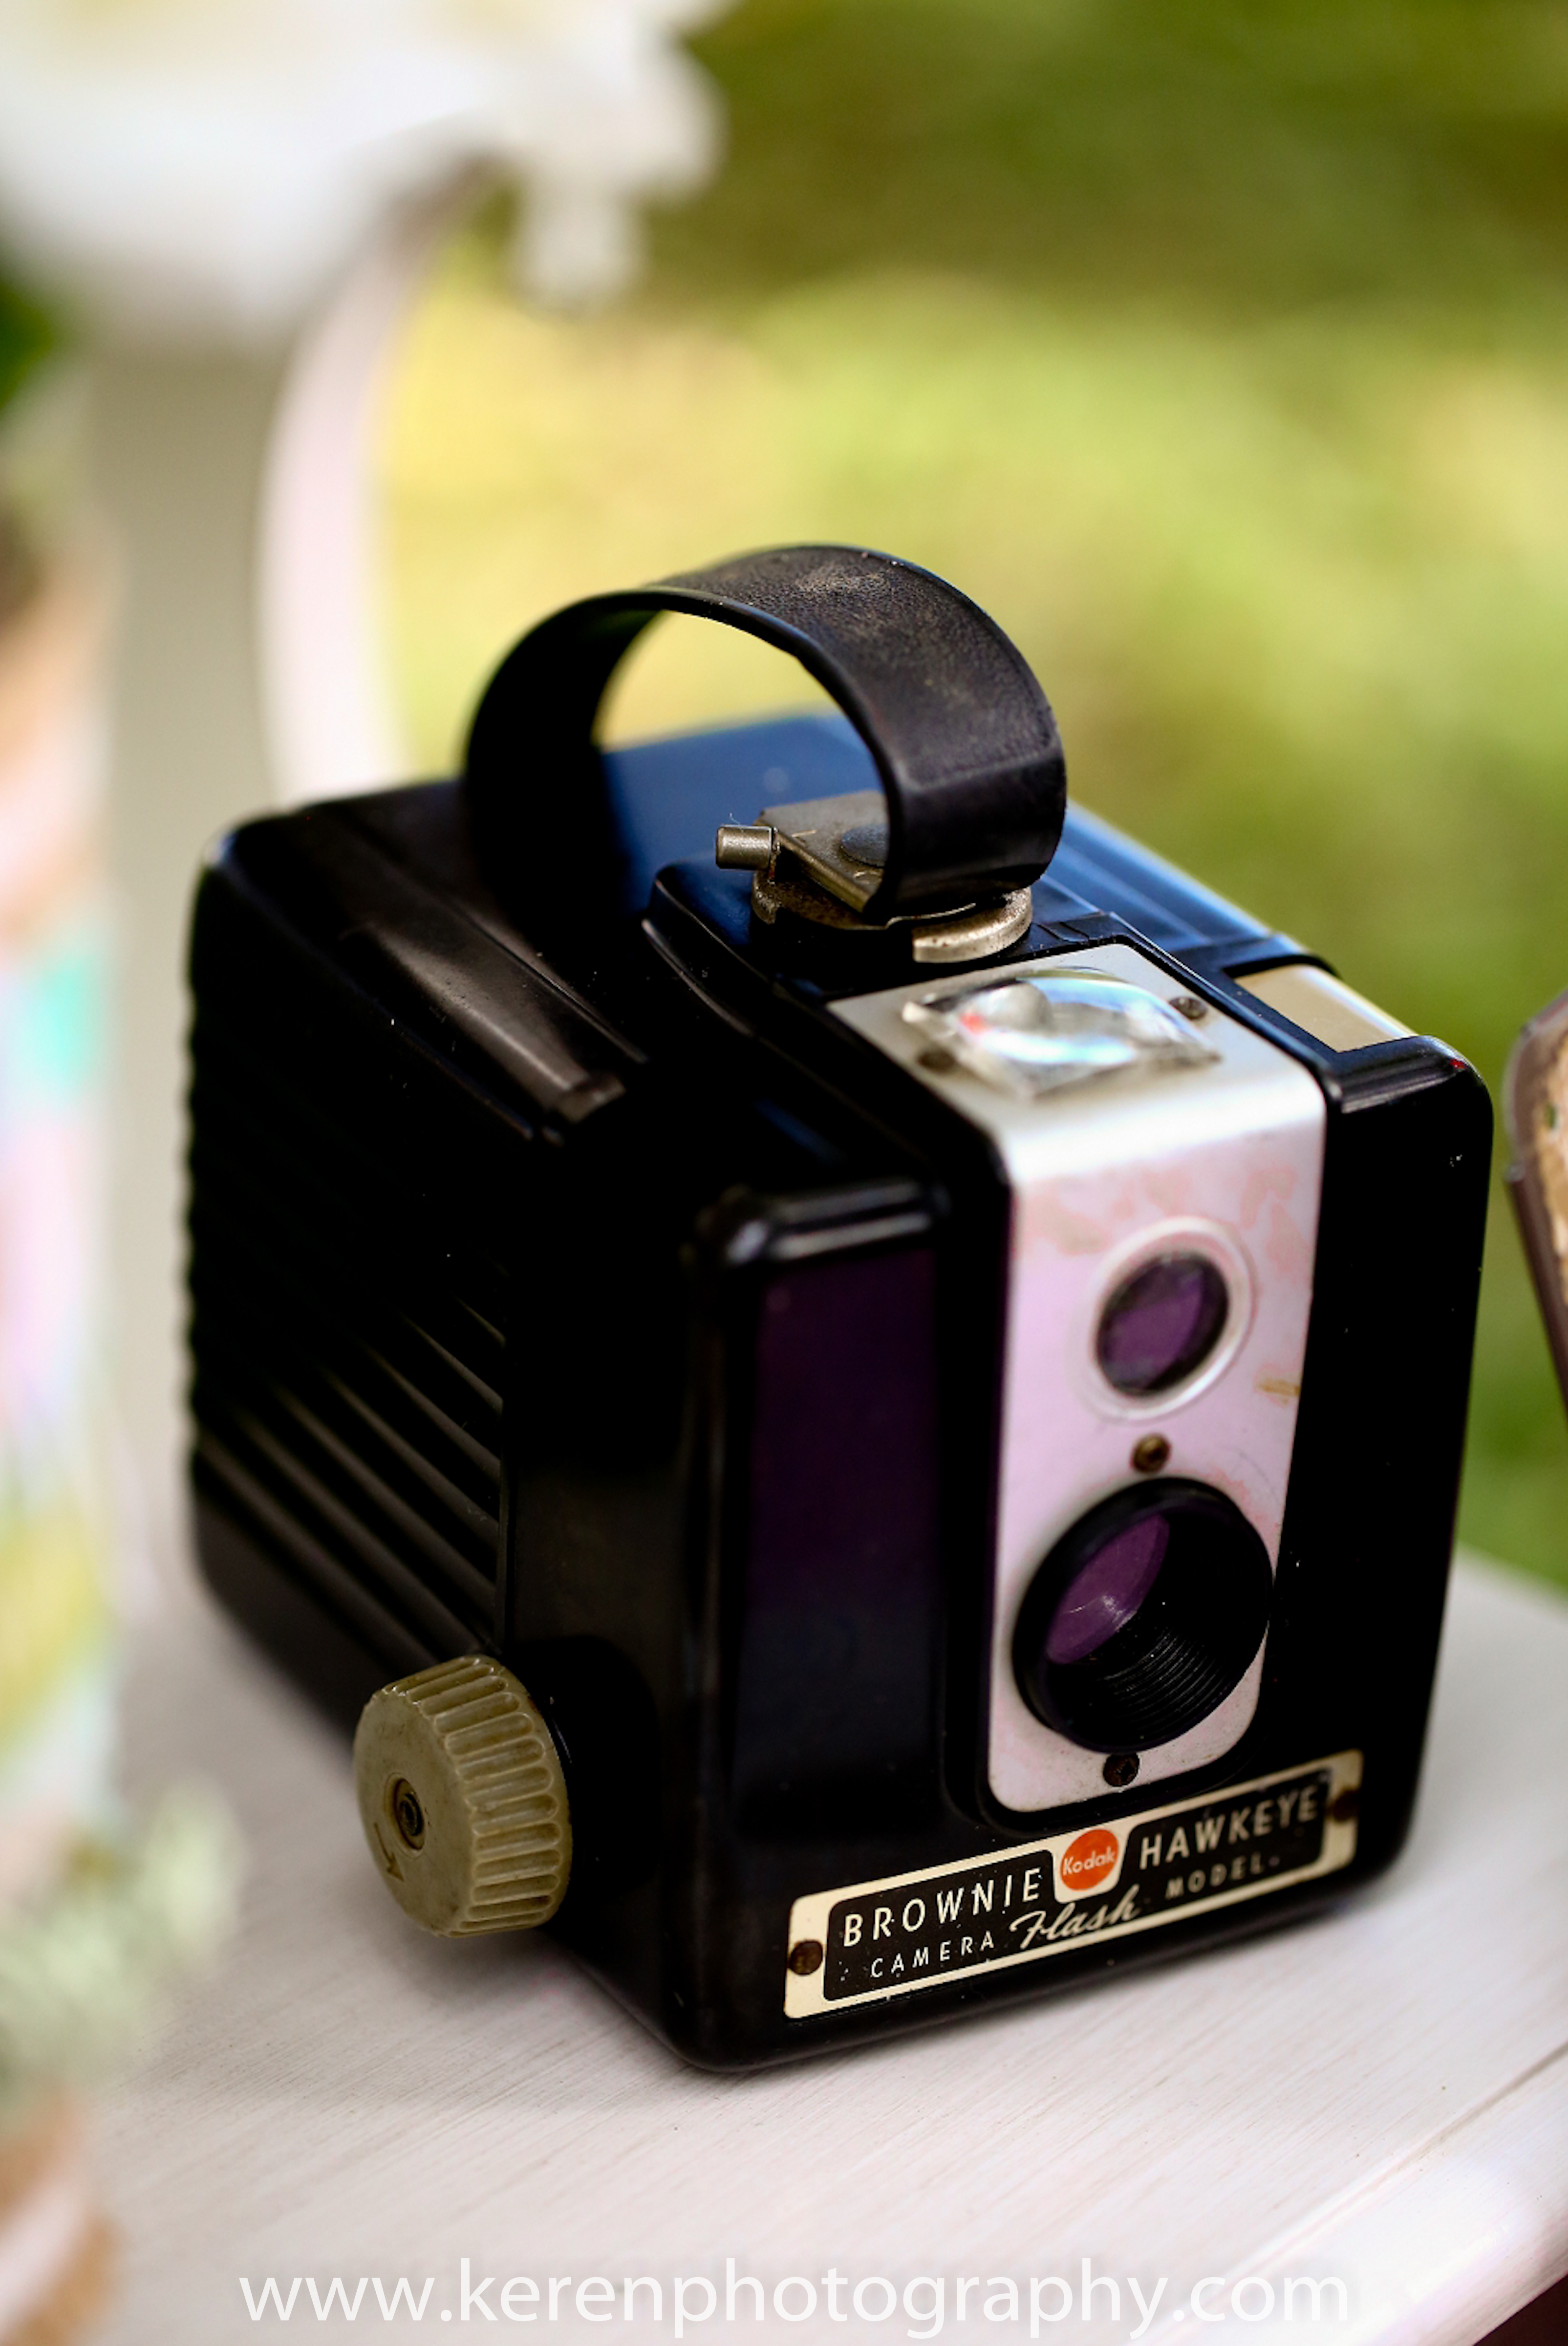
(1086, 1860)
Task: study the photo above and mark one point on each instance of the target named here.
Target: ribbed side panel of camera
(348, 1329)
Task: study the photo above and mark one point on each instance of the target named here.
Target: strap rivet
(744, 846)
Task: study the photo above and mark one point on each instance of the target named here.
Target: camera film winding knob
(462, 1800)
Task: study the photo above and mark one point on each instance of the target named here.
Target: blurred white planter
(205, 169)
(242, 195)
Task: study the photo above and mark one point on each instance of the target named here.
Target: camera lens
(1104, 1593)
(1144, 1617)
(1161, 1323)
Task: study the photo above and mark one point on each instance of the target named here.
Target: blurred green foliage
(1239, 157)
(1223, 352)
(26, 336)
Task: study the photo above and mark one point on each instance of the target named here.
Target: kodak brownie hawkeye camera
(874, 1432)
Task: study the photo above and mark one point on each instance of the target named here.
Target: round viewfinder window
(1161, 1324)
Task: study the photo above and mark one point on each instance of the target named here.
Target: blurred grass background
(1221, 353)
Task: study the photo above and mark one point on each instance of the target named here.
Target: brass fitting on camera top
(823, 859)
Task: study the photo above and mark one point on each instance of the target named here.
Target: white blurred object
(238, 199)
(253, 177)
(206, 168)
(326, 711)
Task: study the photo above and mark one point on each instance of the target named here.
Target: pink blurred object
(57, 1682)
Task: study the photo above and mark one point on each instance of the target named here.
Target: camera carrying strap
(964, 741)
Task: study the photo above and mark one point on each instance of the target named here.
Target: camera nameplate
(1102, 1174)
(1276, 1832)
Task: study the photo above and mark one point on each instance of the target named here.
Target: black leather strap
(962, 735)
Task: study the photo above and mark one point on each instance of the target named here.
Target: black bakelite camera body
(931, 1387)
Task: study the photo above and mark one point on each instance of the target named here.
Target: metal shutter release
(463, 1799)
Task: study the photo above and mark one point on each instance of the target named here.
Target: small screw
(1190, 1007)
(1150, 1454)
(407, 1813)
(806, 1957)
(1345, 1806)
(1121, 1768)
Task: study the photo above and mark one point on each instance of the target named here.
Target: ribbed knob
(463, 1799)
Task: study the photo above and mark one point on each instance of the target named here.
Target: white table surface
(1380, 2096)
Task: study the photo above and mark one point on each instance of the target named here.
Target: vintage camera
(892, 1421)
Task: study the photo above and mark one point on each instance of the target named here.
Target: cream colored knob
(462, 1800)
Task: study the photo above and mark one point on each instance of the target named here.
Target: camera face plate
(1163, 1232)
